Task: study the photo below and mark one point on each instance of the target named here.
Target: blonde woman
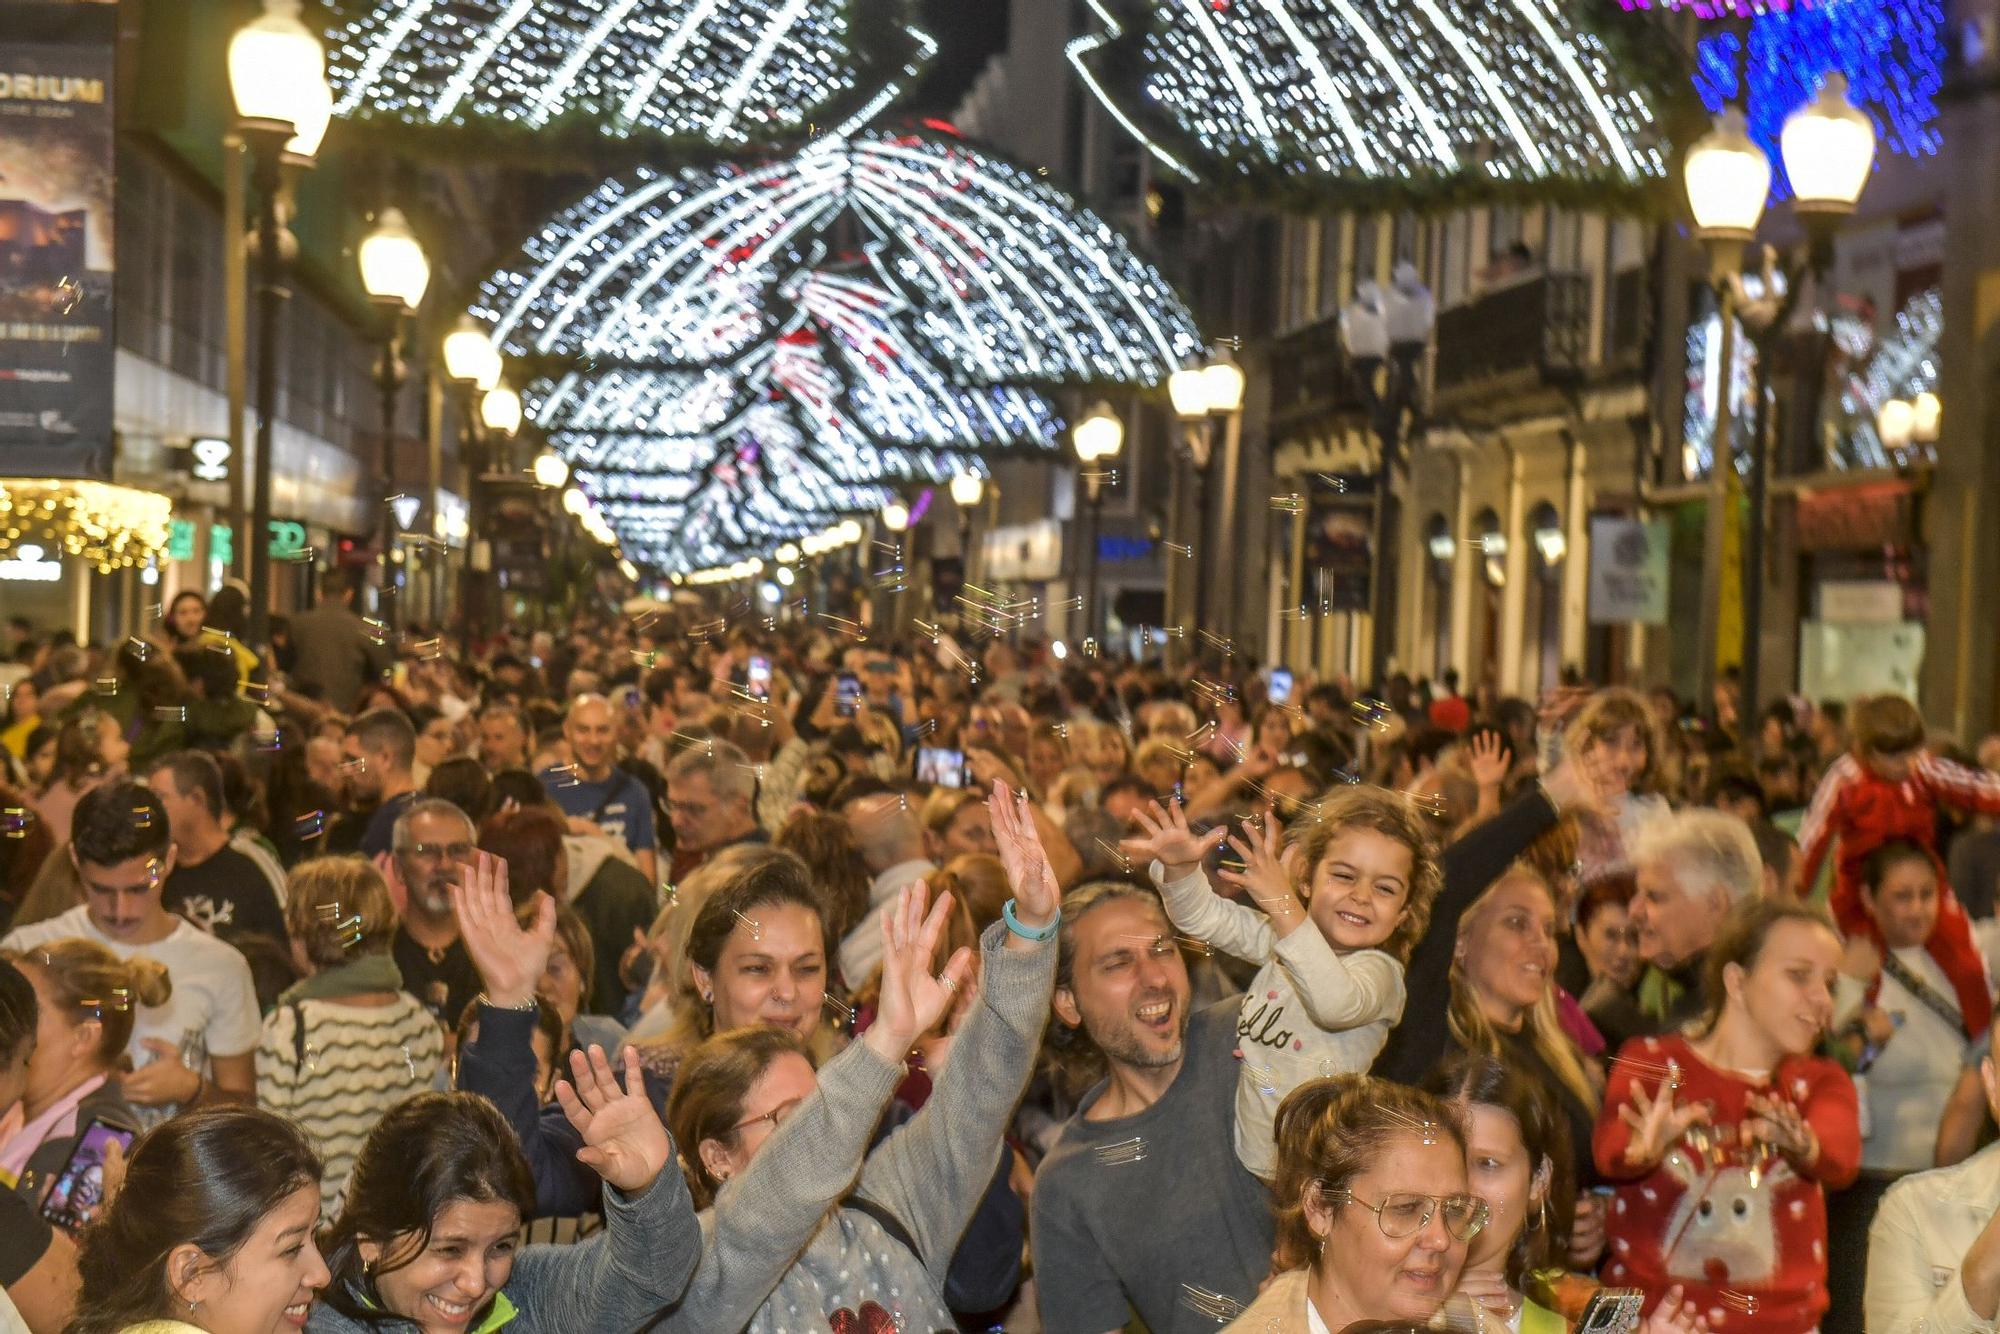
(346, 1043)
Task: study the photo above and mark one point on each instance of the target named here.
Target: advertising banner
(1628, 570)
(1339, 541)
(56, 247)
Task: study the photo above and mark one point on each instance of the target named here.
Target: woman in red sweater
(1722, 1143)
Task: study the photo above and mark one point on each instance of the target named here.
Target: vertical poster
(56, 237)
(1339, 542)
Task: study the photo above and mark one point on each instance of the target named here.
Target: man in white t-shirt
(201, 1045)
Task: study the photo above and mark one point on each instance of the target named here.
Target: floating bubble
(1291, 503)
(15, 821)
(105, 685)
(1215, 1306)
(1120, 1152)
(749, 924)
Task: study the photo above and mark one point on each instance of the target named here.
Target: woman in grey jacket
(773, 1143)
(426, 1240)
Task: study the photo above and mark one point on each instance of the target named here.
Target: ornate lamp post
(395, 272)
(1097, 439)
(277, 76)
(471, 359)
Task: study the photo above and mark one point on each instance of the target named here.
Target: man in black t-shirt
(219, 889)
(378, 759)
(434, 841)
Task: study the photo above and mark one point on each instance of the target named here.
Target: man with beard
(434, 843)
(1136, 1207)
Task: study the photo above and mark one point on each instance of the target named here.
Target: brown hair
(978, 881)
(530, 841)
(88, 982)
(1471, 1029)
(1392, 815)
(573, 937)
(1472, 1079)
(709, 1089)
(1330, 1131)
(1886, 725)
(826, 845)
(1740, 940)
(1075, 1062)
(338, 908)
(1607, 713)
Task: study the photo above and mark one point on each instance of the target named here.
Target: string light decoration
(1892, 52)
(1507, 95)
(753, 353)
(110, 527)
(727, 73)
(1904, 365)
(1005, 275)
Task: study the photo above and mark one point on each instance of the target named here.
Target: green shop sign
(288, 541)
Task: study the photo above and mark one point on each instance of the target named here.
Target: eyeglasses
(1406, 1213)
(430, 852)
(776, 1116)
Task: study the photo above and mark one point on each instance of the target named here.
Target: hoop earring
(1541, 1218)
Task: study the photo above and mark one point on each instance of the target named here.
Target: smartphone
(1612, 1311)
(78, 1191)
(1281, 685)
(847, 694)
(944, 768)
(758, 676)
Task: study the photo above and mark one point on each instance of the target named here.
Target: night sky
(968, 32)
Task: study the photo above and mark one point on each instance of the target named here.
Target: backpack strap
(892, 1225)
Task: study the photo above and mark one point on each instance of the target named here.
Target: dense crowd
(694, 970)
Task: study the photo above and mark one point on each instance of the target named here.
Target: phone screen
(1612, 1311)
(78, 1190)
(847, 695)
(758, 677)
(1281, 686)
(944, 768)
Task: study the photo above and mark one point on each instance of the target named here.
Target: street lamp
(550, 470)
(500, 409)
(1097, 439)
(277, 77)
(896, 516)
(1199, 395)
(395, 273)
(471, 359)
(1829, 149)
(966, 489)
(1385, 335)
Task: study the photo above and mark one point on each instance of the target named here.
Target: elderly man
(434, 843)
(1692, 867)
(1934, 1247)
(595, 789)
(712, 792)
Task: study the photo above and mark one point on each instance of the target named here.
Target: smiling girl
(212, 1231)
(1724, 1143)
(1331, 985)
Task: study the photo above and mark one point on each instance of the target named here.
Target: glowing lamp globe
(394, 268)
(1895, 422)
(1925, 418)
(1223, 381)
(1188, 389)
(1100, 435)
(315, 114)
(967, 488)
(1727, 178)
(895, 516)
(469, 355)
(1829, 147)
(500, 410)
(276, 69)
(550, 470)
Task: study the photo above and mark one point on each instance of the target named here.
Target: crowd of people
(694, 970)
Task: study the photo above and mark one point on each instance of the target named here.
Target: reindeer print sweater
(1741, 1229)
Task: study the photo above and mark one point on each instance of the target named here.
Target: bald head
(591, 728)
(886, 830)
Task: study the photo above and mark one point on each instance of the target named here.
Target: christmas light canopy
(1508, 93)
(711, 72)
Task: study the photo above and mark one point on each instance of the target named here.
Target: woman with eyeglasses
(1723, 1141)
(1374, 1215)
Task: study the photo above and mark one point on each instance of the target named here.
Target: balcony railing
(1533, 333)
(1310, 377)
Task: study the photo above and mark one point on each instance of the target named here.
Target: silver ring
(948, 983)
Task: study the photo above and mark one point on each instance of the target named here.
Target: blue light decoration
(1892, 52)
(739, 356)
(728, 73)
(1330, 92)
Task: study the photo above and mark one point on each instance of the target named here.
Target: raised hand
(1656, 1122)
(1577, 783)
(1037, 896)
(510, 960)
(1779, 1124)
(1489, 759)
(1674, 1315)
(912, 1001)
(1169, 841)
(1266, 877)
(1861, 958)
(623, 1140)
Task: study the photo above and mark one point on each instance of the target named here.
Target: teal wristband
(1014, 924)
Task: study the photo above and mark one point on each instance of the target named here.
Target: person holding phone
(200, 1046)
(88, 998)
(37, 1263)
